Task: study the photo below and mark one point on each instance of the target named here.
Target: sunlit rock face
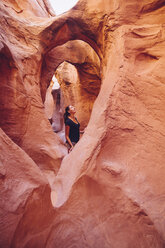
(57, 117)
(110, 189)
(49, 102)
(29, 9)
(53, 107)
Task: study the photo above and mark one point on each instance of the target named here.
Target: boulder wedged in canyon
(110, 189)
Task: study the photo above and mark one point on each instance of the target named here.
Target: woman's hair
(66, 114)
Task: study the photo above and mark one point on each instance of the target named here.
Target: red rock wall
(110, 189)
(21, 108)
(25, 208)
(57, 118)
(49, 102)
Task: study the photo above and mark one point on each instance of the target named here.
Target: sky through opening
(61, 6)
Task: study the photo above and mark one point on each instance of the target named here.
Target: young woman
(72, 127)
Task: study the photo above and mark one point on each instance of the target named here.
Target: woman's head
(69, 110)
(72, 109)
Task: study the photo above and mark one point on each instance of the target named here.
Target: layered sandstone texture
(110, 190)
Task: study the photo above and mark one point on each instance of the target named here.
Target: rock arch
(87, 64)
(75, 52)
(123, 147)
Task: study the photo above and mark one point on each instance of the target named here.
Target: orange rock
(123, 146)
(110, 189)
(25, 207)
(21, 108)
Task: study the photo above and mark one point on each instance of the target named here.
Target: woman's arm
(67, 128)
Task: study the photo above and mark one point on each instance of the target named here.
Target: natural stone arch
(65, 29)
(123, 146)
(76, 52)
(22, 106)
(29, 59)
(74, 93)
(87, 64)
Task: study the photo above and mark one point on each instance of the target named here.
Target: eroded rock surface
(123, 147)
(78, 76)
(21, 107)
(110, 189)
(25, 208)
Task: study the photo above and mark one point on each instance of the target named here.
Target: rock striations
(110, 190)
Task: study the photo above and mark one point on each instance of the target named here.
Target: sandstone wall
(49, 102)
(123, 147)
(26, 212)
(21, 108)
(110, 190)
(57, 118)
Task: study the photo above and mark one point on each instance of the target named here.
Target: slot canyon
(109, 59)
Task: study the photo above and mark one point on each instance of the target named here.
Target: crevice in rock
(155, 5)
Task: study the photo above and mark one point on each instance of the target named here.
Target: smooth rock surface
(25, 208)
(110, 189)
(123, 147)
